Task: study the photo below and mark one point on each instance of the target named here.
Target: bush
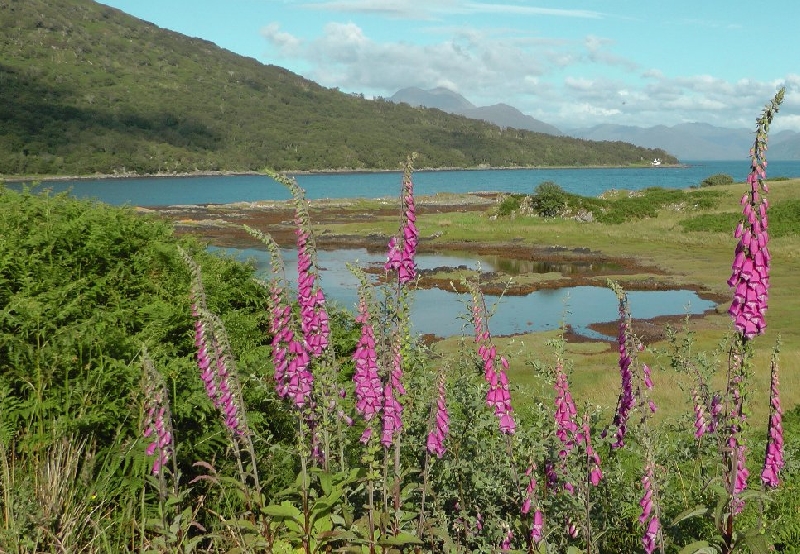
(549, 199)
(717, 180)
(509, 205)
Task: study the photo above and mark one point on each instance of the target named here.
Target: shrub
(509, 204)
(717, 180)
(549, 199)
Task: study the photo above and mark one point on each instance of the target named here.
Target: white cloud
(565, 83)
(286, 43)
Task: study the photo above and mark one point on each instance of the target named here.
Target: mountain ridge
(687, 141)
(449, 101)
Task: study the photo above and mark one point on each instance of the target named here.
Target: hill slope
(85, 88)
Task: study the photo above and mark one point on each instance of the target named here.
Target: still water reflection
(443, 313)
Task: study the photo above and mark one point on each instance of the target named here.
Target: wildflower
(438, 434)
(751, 263)
(368, 386)
(537, 529)
(158, 423)
(565, 412)
(650, 538)
(626, 401)
(313, 315)
(773, 460)
(213, 357)
(392, 409)
(647, 517)
(498, 395)
(506, 544)
(530, 491)
(402, 251)
(700, 426)
(392, 416)
(595, 473)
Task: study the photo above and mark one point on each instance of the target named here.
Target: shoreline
(342, 171)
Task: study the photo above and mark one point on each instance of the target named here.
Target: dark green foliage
(549, 199)
(713, 223)
(85, 88)
(784, 220)
(83, 287)
(509, 205)
(717, 180)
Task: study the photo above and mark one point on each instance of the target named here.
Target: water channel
(443, 312)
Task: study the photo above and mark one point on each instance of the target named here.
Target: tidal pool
(444, 313)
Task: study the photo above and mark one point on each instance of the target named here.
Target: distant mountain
(439, 98)
(448, 101)
(784, 146)
(694, 141)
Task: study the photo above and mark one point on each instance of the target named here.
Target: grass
(686, 242)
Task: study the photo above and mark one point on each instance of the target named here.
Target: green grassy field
(700, 259)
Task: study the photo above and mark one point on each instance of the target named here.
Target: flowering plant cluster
(434, 433)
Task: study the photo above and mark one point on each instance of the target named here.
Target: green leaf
(757, 543)
(400, 539)
(283, 510)
(694, 548)
(690, 513)
(325, 481)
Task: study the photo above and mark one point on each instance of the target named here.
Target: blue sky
(570, 63)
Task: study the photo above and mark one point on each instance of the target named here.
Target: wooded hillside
(85, 88)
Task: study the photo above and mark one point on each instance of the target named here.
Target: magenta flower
(700, 426)
(441, 427)
(505, 546)
(593, 459)
(498, 396)
(751, 263)
(650, 538)
(537, 529)
(157, 422)
(773, 460)
(530, 491)
(565, 412)
(402, 251)
(313, 315)
(626, 399)
(392, 416)
(213, 361)
(392, 409)
(647, 516)
(368, 386)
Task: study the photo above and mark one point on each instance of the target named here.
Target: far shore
(343, 171)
